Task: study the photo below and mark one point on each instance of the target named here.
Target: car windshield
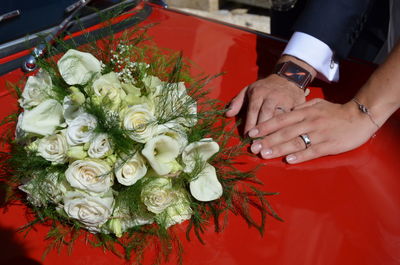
(21, 18)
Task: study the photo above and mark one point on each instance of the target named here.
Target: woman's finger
(296, 144)
(314, 151)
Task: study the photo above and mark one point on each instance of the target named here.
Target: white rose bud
(91, 211)
(53, 148)
(140, 121)
(92, 175)
(43, 119)
(77, 68)
(158, 195)
(161, 152)
(37, 89)
(100, 146)
(198, 152)
(80, 130)
(129, 172)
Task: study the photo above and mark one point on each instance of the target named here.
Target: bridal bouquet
(122, 145)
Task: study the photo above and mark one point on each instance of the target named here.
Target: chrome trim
(74, 6)
(159, 2)
(10, 15)
(30, 63)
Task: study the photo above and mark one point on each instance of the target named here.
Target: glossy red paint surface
(338, 210)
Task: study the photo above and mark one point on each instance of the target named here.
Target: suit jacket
(356, 28)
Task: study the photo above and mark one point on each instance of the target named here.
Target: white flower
(129, 172)
(198, 152)
(80, 130)
(77, 68)
(140, 121)
(161, 151)
(122, 221)
(53, 148)
(177, 212)
(92, 175)
(109, 86)
(92, 211)
(70, 110)
(100, 146)
(50, 189)
(157, 195)
(206, 187)
(175, 131)
(43, 119)
(37, 89)
(19, 133)
(154, 84)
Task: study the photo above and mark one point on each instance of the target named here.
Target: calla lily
(199, 151)
(206, 186)
(44, 118)
(159, 152)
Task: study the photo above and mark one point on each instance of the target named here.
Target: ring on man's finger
(306, 139)
(281, 109)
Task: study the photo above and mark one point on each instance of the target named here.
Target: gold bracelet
(365, 110)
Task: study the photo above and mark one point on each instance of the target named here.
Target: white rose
(198, 152)
(92, 175)
(100, 146)
(109, 86)
(129, 172)
(37, 89)
(140, 121)
(157, 195)
(70, 110)
(91, 211)
(77, 68)
(43, 119)
(161, 152)
(176, 213)
(48, 190)
(80, 129)
(53, 148)
(206, 187)
(174, 101)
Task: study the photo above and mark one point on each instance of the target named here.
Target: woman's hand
(332, 129)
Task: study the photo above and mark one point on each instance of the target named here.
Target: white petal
(206, 186)
(201, 150)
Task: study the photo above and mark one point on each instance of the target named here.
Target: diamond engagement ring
(306, 139)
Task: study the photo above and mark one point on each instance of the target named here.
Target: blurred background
(254, 14)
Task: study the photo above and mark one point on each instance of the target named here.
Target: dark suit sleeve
(337, 23)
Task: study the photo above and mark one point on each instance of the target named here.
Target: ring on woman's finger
(306, 139)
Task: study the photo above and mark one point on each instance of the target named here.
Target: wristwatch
(294, 73)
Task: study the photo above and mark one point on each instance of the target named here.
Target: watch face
(294, 73)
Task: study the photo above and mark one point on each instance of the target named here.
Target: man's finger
(266, 112)
(236, 103)
(253, 110)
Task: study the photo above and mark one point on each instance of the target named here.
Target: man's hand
(270, 96)
(265, 98)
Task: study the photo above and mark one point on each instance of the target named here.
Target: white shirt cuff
(314, 52)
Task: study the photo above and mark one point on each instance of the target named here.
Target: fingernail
(253, 132)
(291, 158)
(266, 153)
(255, 148)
